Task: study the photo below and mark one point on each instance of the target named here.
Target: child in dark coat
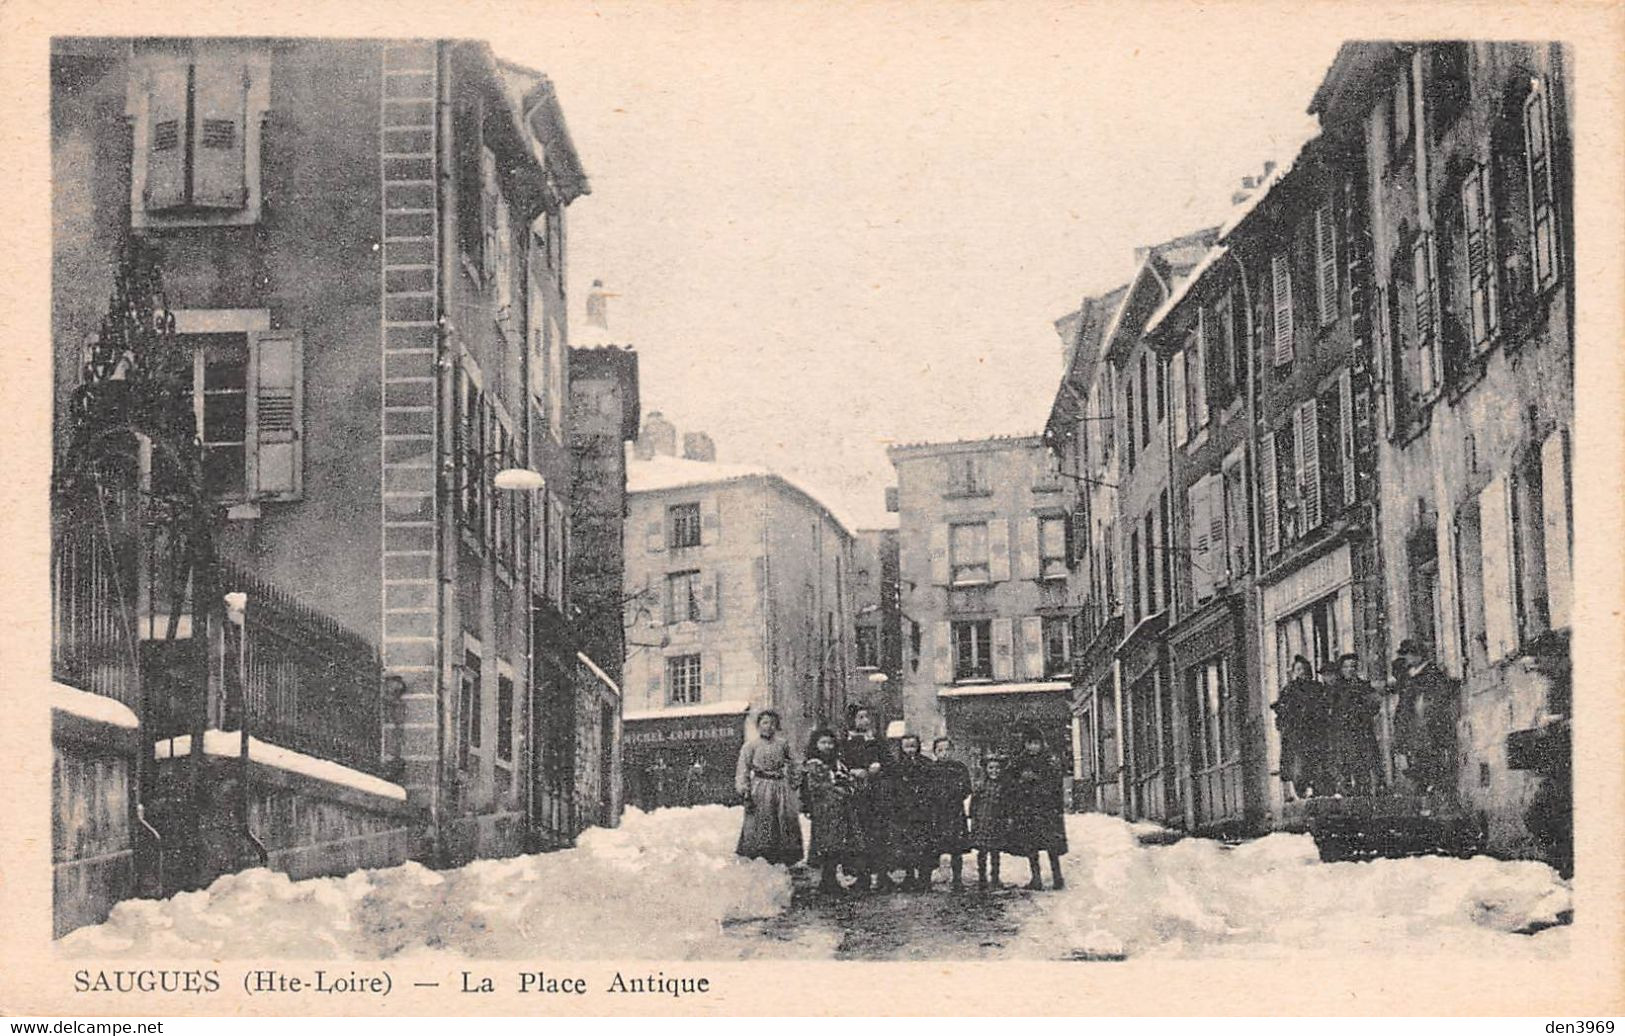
(990, 820)
(911, 813)
(950, 785)
(1037, 813)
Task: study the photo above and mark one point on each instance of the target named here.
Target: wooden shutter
(219, 98)
(166, 139)
(1481, 255)
(1495, 538)
(942, 651)
(1382, 355)
(710, 590)
(276, 404)
(1538, 171)
(1281, 291)
(1345, 424)
(1199, 389)
(1270, 490)
(1181, 428)
(1325, 263)
(654, 534)
(711, 676)
(940, 573)
(1219, 562)
(1027, 554)
(1032, 647)
(998, 550)
(1554, 479)
(657, 682)
(1003, 636)
(710, 520)
(1199, 539)
(1425, 301)
(1307, 443)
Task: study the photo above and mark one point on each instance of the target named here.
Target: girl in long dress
(1038, 815)
(950, 786)
(911, 815)
(826, 797)
(772, 827)
(990, 820)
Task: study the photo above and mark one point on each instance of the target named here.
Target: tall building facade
(738, 599)
(878, 624)
(362, 247)
(983, 545)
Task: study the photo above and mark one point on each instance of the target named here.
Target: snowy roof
(967, 690)
(92, 706)
(229, 743)
(1184, 287)
(997, 441)
(661, 472)
(1239, 214)
(709, 708)
(596, 671)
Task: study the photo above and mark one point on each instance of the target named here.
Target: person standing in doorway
(1038, 814)
(1354, 707)
(1425, 720)
(772, 827)
(1303, 718)
(950, 786)
(865, 759)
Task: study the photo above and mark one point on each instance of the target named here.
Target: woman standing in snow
(826, 797)
(772, 827)
(950, 786)
(1303, 717)
(1037, 816)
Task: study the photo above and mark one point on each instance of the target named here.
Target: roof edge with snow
(709, 708)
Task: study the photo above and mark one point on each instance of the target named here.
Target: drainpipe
(445, 196)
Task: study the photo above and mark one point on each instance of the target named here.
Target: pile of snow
(660, 886)
(1273, 897)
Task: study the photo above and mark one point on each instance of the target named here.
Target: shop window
(1217, 741)
(1320, 633)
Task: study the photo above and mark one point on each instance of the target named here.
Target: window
(470, 709)
(1326, 298)
(1235, 516)
(1424, 315)
(1206, 558)
(1320, 633)
(683, 597)
(247, 401)
(968, 553)
(1470, 600)
(1052, 548)
(1231, 365)
(967, 475)
(1399, 125)
(1451, 87)
(1162, 391)
(1537, 129)
(1057, 645)
(1167, 550)
(1152, 557)
(470, 451)
(1422, 557)
(868, 645)
(1279, 464)
(1134, 576)
(1182, 422)
(1333, 461)
(505, 718)
(1306, 443)
(197, 152)
(1216, 735)
(1196, 381)
(1483, 259)
(683, 679)
(1129, 438)
(1145, 400)
(973, 650)
(683, 525)
(496, 234)
(1527, 493)
(1281, 296)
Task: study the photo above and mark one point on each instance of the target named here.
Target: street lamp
(519, 480)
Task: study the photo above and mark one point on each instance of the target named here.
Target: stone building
(362, 244)
(877, 646)
(982, 533)
(1466, 153)
(738, 598)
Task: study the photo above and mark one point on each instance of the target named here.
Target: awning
(974, 689)
(710, 708)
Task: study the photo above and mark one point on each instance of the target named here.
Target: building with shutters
(362, 242)
(982, 560)
(879, 625)
(738, 599)
(1465, 150)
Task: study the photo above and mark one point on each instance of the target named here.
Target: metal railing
(94, 644)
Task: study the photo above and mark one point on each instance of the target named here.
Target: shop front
(1098, 759)
(1154, 791)
(986, 718)
(1210, 671)
(682, 756)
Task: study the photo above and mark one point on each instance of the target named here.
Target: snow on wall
(229, 743)
(92, 706)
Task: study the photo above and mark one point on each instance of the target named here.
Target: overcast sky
(830, 233)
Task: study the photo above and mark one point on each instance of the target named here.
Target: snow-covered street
(666, 885)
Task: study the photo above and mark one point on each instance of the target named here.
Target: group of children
(874, 813)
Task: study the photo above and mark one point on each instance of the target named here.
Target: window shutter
(219, 98)
(710, 591)
(1538, 169)
(654, 535)
(1425, 301)
(1218, 559)
(1281, 289)
(1554, 477)
(710, 520)
(1027, 551)
(1032, 647)
(998, 550)
(276, 391)
(1271, 501)
(657, 681)
(1325, 263)
(1495, 538)
(1181, 429)
(940, 575)
(166, 139)
(943, 651)
(1479, 257)
(1199, 390)
(1307, 443)
(1199, 540)
(711, 676)
(1003, 635)
(1345, 424)
(1383, 354)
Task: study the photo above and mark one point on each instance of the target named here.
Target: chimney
(598, 306)
(891, 500)
(1269, 167)
(698, 446)
(659, 437)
